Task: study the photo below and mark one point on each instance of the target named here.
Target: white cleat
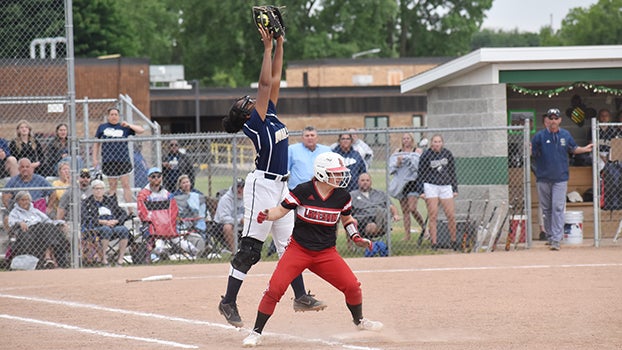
(368, 325)
(252, 340)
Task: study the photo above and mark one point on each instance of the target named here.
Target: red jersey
(315, 226)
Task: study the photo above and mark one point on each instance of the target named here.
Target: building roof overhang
(486, 65)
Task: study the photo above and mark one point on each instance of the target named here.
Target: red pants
(327, 264)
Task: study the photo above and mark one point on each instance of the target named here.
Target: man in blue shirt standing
(550, 148)
(301, 157)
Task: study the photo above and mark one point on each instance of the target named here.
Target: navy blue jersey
(271, 140)
(114, 151)
(315, 226)
(550, 153)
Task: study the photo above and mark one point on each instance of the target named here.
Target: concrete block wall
(472, 107)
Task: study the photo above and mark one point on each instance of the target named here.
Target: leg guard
(248, 254)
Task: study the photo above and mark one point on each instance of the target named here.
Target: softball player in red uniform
(267, 185)
(318, 205)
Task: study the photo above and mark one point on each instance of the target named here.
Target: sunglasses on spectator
(346, 138)
(155, 176)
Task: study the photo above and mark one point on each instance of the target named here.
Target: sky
(530, 15)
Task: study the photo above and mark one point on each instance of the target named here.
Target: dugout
(502, 86)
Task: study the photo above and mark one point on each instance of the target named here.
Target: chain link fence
(49, 219)
(493, 199)
(215, 162)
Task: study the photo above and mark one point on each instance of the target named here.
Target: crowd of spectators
(24, 165)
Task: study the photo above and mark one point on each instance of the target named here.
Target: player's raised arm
(264, 89)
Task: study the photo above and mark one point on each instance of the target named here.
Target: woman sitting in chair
(64, 180)
(191, 204)
(103, 215)
(36, 234)
(191, 216)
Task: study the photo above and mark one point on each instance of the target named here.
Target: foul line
(432, 269)
(155, 316)
(475, 268)
(218, 325)
(99, 333)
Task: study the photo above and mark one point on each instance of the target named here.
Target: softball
(263, 19)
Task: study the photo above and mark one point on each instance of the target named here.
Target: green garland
(599, 89)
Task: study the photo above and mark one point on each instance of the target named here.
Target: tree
(22, 21)
(438, 27)
(103, 27)
(601, 24)
(500, 38)
(156, 27)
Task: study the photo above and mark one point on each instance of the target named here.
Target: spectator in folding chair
(63, 211)
(103, 216)
(36, 234)
(192, 213)
(227, 214)
(41, 189)
(157, 209)
(369, 209)
(64, 180)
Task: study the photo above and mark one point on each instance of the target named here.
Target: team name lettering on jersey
(317, 215)
(111, 132)
(438, 164)
(280, 135)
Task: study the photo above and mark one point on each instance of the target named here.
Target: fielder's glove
(269, 17)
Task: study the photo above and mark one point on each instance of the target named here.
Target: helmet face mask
(330, 168)
(243, 106)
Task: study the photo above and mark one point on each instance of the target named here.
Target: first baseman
(267, 185)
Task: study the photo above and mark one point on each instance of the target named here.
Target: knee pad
(247, 255)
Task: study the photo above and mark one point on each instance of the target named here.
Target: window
(376, 122)
(417, 123)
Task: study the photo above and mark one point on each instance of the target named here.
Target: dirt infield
(535, 299)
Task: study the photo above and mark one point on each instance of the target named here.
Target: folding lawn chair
(161, 235)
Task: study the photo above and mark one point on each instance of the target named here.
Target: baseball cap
(153, 171)
(85, 173)
(553, 111)
(239, 182)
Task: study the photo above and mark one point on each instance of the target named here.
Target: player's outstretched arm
(350, 224)
(272, 214)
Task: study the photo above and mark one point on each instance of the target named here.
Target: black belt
(274, 177)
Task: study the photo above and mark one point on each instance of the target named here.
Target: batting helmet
(329, 165)
(238, 114)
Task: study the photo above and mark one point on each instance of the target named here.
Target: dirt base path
(534, 299)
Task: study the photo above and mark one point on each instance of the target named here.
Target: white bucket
(573, 227)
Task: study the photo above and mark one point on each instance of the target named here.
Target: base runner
(318, 205)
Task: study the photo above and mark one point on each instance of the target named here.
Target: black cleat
(230, 311)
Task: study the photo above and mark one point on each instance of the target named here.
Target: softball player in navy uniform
(267, 185)
(319, 205)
